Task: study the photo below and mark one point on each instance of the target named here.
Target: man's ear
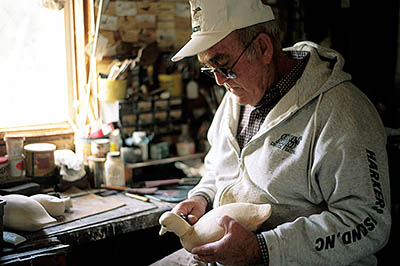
(266, 47)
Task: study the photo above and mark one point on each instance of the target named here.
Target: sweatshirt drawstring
(311, 157)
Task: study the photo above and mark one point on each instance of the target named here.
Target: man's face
(252, 73)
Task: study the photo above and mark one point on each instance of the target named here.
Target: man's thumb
(224, 221)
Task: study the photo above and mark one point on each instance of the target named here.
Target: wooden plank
(87, 205)
(127, 206)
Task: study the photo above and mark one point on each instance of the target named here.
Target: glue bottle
(114, 170)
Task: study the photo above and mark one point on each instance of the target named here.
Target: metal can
(96, 166)
(40, 159)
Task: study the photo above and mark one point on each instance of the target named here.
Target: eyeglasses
(223, 71)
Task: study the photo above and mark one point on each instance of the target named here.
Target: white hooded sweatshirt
(319, 159)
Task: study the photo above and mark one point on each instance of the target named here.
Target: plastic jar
(14, 145)
(16, 165)
(114, 170)
(3, 167)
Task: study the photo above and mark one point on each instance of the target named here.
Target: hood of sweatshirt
(324, 71)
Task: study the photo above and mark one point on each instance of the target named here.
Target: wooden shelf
(165, 161)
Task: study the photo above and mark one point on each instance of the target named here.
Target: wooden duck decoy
(206, 229)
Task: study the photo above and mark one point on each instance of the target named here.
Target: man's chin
(239, 100)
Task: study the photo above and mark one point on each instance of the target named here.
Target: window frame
(76, 67)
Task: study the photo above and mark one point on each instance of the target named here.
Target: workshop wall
(130, 23)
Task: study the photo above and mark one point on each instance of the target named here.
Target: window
(33, 83)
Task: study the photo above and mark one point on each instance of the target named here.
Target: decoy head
(171, 222)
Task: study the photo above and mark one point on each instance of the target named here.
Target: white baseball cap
(213, 20)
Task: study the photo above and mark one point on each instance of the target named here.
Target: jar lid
(114, 154)
(3, 160)
(40, 147)
(102, 141)
(96, 159)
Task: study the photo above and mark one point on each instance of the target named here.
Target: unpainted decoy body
(206, 229)
(23, 213)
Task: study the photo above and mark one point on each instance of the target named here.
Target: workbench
(126, 233)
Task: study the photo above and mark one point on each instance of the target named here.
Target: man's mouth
(231, 89)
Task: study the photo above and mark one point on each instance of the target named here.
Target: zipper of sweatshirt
(240, 159)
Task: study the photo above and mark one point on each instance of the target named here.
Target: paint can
(40, 159)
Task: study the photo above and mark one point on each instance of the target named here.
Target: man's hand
(238, 246)
(192, 208)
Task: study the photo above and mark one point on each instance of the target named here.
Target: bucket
(40, 159)
(112, 90)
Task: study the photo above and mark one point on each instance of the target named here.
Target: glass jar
(114, 170)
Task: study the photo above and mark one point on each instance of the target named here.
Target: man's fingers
(192, 218)
(207, 259)
(205, 250)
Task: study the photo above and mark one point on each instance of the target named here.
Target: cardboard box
(110, 9)
(147, 35)
(146, 21)
(127, 23)
(131, 36)
(165, 9)
(109, 35)
(146, 8)
(165, 38)
(109, 23)
(183, 24)
(182, 10)
(181, 38)
(126, 8)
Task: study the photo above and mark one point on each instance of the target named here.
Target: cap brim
(199, 43)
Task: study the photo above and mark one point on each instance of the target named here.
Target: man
(294, 132)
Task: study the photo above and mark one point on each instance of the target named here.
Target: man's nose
(219, 78)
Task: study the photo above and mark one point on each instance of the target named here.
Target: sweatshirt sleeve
(349, 173)
(207, 186)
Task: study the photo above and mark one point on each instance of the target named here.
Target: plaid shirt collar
(251, 118)
(273, 95)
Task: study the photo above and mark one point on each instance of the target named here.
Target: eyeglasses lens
(221, 71)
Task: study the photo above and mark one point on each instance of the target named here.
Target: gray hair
(245, 34)
(271, 28)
